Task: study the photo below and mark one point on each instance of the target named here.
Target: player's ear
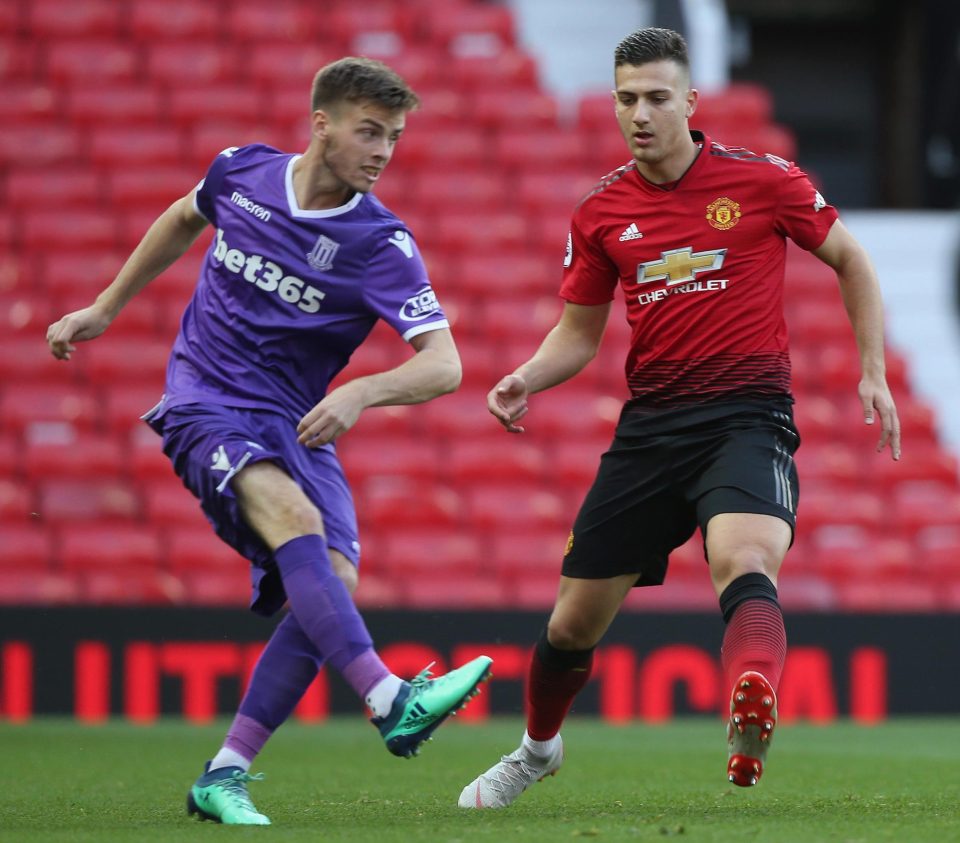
(320, 123)
(693, 97)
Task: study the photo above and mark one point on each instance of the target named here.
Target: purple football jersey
(286, 295)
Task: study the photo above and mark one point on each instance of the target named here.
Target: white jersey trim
(422, 329)
(196, 207)
(298, 212)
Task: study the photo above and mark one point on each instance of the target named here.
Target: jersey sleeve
(802, 213)
(589, 276)
(398, 289)
(212, 183)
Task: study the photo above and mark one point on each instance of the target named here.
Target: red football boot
(753, 716)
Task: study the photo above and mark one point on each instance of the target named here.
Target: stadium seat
(17, 502)
(168, 504)
(683, 591)
(213, 102)
(526, 151)
(216, 588)
(377, 591)
(125, 587)
(87, 457)
(508, 503)
(198, 549)
(398, 455)
(495, 457)
(533, 592)
(19, 59)
(453, 592)
(177, 65)
(350, 23)
(51, 20)
(388, 502)
(273, 63)
(118, 361)
(66, 187)
(469, 28)
(39, 589)
(27, 360)
(910, 595)
(831, 462)
(96, 500)
(747, 103)
(135, 146)
(442, 191)
(93, 230)
(920, 505)
(501, 109)
(92, 62)
(457, 416)
(29, 102)
(277, 26)
(500, 278)
(521, 552)
(572, 411)
(574, 462)
(123, 407)
(108, 547)
(24, 315)
(176, 20)
(539, 192)
(507, 70)
(146, 461)
(27, 547)
(150, 189)
(508, 317)
(34, 405)
(428, 551)
(49, 144)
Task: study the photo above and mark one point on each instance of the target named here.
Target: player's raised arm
(434, 370)
(861, 298)
(166, 240)
(569, 346)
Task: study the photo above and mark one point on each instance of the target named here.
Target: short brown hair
(652, 44)
(354, 79)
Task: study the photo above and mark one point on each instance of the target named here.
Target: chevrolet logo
(679, 265)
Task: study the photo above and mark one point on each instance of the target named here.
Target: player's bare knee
(568, 634)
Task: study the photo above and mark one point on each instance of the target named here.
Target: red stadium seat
(115, 105)
(835, 462)
(683, 591)
(19, 59)
(213, 102)
(81, 272)
(518, 553)
(27, 548)
(180, 64)
(38, 589)
(745, 103)
(453, 592)
(108, 547)
(26, 360)
(146, 461)
(278, 25)
(150, 189)
(123, 407)
(55, 19)
(42, 406)
(596, 113)
(918, 506)
(924, 463)
(350, 22)
(447, 149)
(72, 500)
(126, 587)
(445, 191)
(388, 502)
(428, 550)
(494, 506)
(39, 145)
(469, 28)
(457, 416)
(88, 229)
(17, 502)
(501, 277)
(88, 457)
(909, 595)
(535, 592)
(117, 361)
(92, 62)
(135, 146)
(180, 20)
(11, 456)
(574, 412)
(531, 151)
(495, 457)
(199, 549)
(216, 588)
(862, 509)
(275, 63)
(390, 456)
(542, 191)
(377, 591)
(168, 503)
(64, 187)
(574, 462)
(28, 102)
(493, 109)
(509, 70)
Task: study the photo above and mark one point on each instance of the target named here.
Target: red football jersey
(701, 264)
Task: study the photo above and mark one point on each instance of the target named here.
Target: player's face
(653, 102)
(359, 139)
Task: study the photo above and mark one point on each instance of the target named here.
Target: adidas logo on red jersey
(631, 232)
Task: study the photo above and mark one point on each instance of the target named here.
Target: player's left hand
(876, 400)
(332, 417)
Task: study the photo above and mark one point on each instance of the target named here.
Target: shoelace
(236, 788)
(514, 773)
(423, 677)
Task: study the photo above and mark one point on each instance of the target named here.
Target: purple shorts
(208, 444)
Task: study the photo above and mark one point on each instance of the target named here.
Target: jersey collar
(298, 212)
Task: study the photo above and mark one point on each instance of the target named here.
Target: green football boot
(221, 795)
(424, 703)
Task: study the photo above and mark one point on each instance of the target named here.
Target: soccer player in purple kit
(304, 261)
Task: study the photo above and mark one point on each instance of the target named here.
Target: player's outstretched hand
(508, 402)
(79, 326)
(877, 400)
(332, 417)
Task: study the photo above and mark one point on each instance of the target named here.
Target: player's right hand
(78, 326)
(508, 402)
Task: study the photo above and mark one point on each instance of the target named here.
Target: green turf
(336, 782)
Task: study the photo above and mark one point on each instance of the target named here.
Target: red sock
(755, 640)
(555, 678)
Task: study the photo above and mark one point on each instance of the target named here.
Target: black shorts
(663, 476)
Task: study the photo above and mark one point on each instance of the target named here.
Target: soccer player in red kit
(694, 232)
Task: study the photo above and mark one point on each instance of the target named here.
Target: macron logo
(250, 206)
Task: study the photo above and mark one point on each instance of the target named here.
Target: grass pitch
(335, 782)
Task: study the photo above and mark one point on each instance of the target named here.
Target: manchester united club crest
(723, 213)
